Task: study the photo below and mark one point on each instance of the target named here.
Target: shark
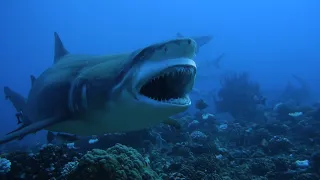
(98, 94)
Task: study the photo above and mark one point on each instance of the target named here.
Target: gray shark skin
(93, 95)
(200, 40)
(19, 103)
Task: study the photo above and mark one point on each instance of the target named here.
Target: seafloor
(237, 151)
(275, 142)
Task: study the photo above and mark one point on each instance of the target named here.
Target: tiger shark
(92, 95)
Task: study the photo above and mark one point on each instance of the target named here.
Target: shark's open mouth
(171, 85)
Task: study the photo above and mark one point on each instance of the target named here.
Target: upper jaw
(152, 70)
(169, 85)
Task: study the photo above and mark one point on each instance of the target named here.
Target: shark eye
(170, 85)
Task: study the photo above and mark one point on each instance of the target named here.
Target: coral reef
(118, 162)
(5, 166)
(238, 95)
(275, 142)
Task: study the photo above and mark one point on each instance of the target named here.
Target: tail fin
(217, 61)
(17, 100)
(19, 103)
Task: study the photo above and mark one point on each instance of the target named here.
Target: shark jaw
(167, 82)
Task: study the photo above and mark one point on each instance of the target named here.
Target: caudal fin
(17, 100)
(217, 60)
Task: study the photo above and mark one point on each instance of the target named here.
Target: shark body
(92, 95)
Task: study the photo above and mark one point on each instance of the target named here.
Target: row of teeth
(183, 100)
(177, 72)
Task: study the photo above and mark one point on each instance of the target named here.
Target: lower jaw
(185, 100)
(182, 101)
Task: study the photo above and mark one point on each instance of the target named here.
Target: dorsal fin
(59, 50)
(33, 79)
(179, 35)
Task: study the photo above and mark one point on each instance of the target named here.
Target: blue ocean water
(275, 42)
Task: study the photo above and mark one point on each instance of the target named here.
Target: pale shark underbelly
(98, 123)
